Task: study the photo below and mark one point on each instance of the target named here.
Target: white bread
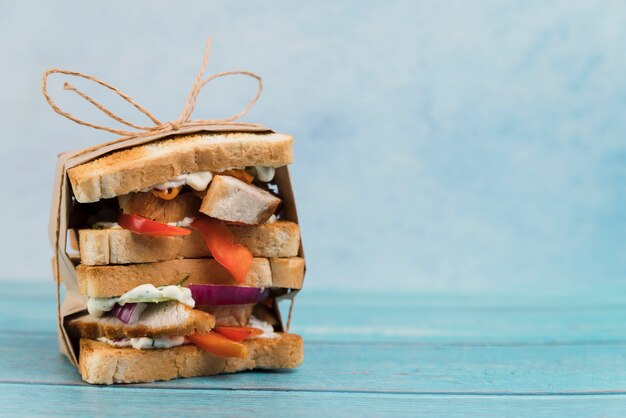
(110, 281)
(99, 363)
(143, 166)
(233, 200)
(158, 320)
(278, 239)
(287, 272)
(121, 246)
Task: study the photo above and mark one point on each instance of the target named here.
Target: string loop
(184, 120)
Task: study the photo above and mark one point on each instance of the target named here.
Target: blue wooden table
(367, 354)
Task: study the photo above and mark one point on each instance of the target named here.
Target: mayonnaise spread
(200, 180)
(145, 343)
(268, 330)
(144, 293)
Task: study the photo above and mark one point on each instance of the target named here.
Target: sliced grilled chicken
(231, 199)
(229, 315)
(158, 320)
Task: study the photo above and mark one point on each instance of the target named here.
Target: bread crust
(121, 246)
(110, 281)
(99, 363)
(287, 272)
(143, 166)
(113, 280)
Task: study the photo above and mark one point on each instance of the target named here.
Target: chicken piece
(264, 313)
(230, 199)
(149, 206)
(158, 320)
(229, 315)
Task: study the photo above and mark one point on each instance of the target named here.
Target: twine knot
(184, 120)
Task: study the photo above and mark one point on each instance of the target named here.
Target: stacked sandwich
(185, 244)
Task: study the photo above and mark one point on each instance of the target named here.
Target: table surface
(561, 353)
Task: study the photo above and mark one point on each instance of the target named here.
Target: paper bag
(62, 202)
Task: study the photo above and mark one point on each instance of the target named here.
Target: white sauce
(105, 225)
(125, 342)
(170, 184)
(144, 293)
(265, 173)
(185, 222)
(147, 292)
(145, 343)
(99, 306)
(271, 219)
(161, 342)
(198, 181)
(268, 330)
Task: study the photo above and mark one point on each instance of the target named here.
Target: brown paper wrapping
(63, 267)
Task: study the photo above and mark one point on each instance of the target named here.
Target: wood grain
(377, 368)
(493, 355)
(131, 401)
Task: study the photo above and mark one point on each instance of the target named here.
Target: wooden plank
(383, 367)
(591, 317)
(29, 400)
(384, 354)
(567, 315)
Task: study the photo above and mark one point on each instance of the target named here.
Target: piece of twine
(184, 120)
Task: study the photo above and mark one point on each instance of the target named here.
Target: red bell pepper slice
(141, 225)
(234, 257)
(238, 333)
(218, 345)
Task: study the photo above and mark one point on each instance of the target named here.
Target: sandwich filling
(145, 293)
(215, 317)
(146, 343)
(200, 180)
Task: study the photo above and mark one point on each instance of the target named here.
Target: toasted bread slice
(110, 281)
(287, 272)
(231, 199)
(143, 166)
(152, 207)
(121, 246)
(158, 320)
(100, 363)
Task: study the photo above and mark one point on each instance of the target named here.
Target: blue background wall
(439, 144)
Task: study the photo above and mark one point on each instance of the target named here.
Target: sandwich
(185, 245)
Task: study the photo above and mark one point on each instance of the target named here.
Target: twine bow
(184, 120)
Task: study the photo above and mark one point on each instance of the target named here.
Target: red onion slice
(207, 294)
(130, 312)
